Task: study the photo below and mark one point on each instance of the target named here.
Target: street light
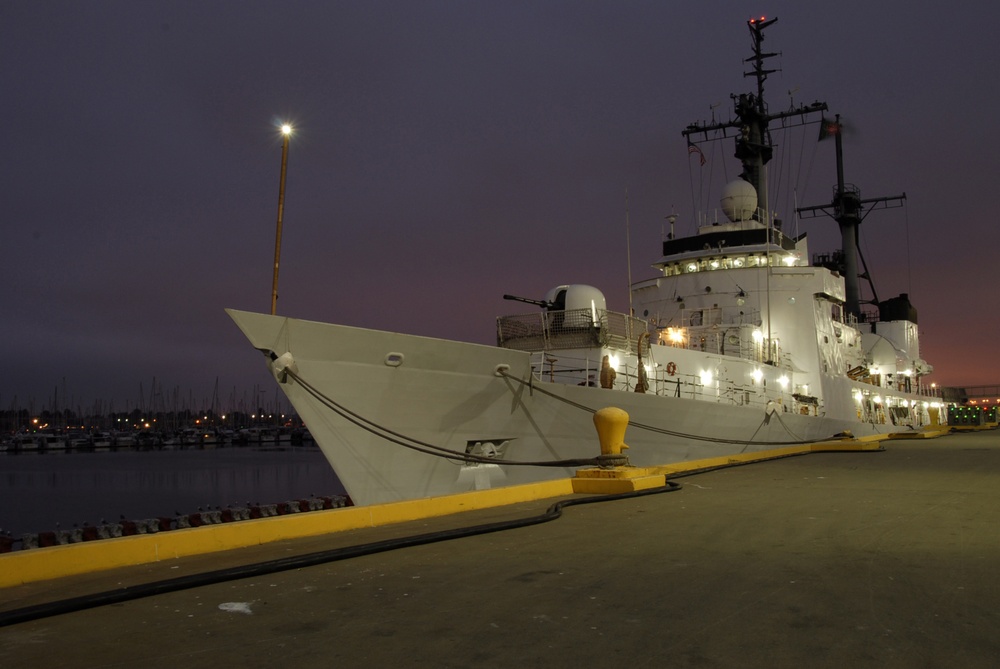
(286, 131)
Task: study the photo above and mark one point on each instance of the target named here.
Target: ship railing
(716, 216)
(584, 370)
(570, 329)
(724, 316)
(869, 316)
(690, 386)
(751, 218)
(715, 334)
(564, 367)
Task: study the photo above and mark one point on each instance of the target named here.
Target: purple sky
(446, 153)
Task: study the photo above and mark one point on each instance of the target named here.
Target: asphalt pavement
(878, 559)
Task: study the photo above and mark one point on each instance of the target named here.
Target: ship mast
(848, 209)
(749, 127)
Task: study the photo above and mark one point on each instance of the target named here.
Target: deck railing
(570, 329)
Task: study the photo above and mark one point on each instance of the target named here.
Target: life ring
(671, 368)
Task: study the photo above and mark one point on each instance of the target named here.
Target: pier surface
(887, 559)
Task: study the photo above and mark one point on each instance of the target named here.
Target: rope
(423, 446)
(464, 458)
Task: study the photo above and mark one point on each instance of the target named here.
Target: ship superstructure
(739, 315)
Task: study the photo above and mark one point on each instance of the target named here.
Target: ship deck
(879, 558)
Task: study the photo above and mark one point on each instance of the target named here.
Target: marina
(62, 490)
(34, 439)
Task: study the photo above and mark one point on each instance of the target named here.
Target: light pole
(286, 131)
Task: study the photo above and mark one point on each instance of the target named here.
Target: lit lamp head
(286, 130)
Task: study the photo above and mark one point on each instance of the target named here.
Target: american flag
(828, 128)
(692, 148)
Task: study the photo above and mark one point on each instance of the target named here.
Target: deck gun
(527, 300)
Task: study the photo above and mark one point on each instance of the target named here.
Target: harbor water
(59, 489)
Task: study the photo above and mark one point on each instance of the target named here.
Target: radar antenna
(749, 127)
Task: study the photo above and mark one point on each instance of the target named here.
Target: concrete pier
(860, 559)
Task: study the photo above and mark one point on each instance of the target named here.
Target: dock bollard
(614, 474)
(611, 423)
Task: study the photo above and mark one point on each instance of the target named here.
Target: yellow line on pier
(42, 564)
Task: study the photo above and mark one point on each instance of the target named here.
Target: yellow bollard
(611, 423)
(614, 474)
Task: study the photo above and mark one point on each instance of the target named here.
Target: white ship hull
(449, 394)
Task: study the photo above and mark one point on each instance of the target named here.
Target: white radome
(738, 201)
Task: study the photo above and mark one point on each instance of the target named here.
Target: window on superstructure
(837, 312)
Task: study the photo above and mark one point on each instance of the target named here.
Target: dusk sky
(446, 153)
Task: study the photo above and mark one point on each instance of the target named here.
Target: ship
(741, 343)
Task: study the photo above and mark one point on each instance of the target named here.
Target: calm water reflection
(41, 492)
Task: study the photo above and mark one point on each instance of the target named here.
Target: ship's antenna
(909, 262)
(628, 253)
(791, 97)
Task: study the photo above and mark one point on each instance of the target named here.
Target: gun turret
(527, 300)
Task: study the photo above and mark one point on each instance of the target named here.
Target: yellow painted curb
(597, 486)
(58, 561)
(66, 560)
(591, 483)
(927, 433)
(845, 445)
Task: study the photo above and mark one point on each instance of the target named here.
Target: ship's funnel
(739, 201)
